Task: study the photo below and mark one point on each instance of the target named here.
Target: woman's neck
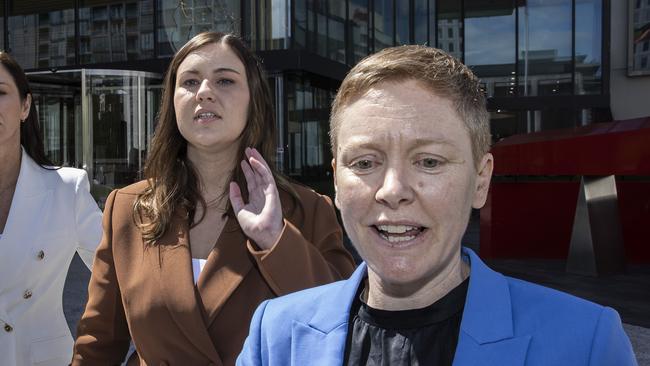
(10, 155)
(387, 297)
(214, 171)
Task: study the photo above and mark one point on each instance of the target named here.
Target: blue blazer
(505, 322)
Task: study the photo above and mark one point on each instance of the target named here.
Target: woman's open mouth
(398, 233)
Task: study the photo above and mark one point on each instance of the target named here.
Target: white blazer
(52, 215)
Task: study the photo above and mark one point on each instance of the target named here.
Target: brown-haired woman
(46, 215)
(215, 131)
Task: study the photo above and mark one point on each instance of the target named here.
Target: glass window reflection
(2, 24)
(544, 37)
(336, 31)
(490, 45)
(358, 14)
(421, 25)
(588, 47)
(450, 27)
(43, 39)
(58, 107)
(403, 35)
(383, 24)
(317, 27)
(178, 21)
(309, 155)
(300, 24)
(112, 31)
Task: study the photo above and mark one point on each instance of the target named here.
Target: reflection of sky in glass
(588, 30)
(549, 26)
(490, 40)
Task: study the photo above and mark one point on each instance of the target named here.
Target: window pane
(321, 25)
(505, 123)
(300, 24)
(2, 24)
(450, 27)
(421, 25)
(44, 38)
(588, 47)
(432, 23)
(383, 20)
(317, 27)
(358, 13)
(57, 105)
(308, 143)
(544, 37)
(178, 21)
(336, 31)
(112, 30)
(490, 41)
(403, 35)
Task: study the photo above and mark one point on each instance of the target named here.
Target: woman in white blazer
(46, 214)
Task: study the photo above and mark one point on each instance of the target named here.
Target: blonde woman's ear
(483, 178)
(336, 195)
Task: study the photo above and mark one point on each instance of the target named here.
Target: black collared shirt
(426, 336)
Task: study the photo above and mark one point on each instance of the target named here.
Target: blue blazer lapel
(321, 341)
(486, 335)
(487, 330)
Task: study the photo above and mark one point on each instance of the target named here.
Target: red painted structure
(532, 200)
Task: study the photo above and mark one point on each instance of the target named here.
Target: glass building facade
(96, 65)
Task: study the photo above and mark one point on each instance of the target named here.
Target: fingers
(236, 199)
(249, 174)
(260, 166)
(252, 152)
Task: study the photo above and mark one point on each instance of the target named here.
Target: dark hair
(31, 136)
(173, 181)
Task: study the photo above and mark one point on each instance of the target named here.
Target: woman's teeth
(205, 115)
(398, 233)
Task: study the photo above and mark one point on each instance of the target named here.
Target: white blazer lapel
(486, 330)
(30, 200)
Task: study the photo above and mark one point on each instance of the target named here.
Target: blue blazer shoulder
(506, 321)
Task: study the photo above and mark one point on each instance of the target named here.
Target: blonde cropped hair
(436, 71)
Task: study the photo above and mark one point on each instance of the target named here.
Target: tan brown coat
(148, 294)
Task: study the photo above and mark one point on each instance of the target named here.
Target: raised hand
(261, 217)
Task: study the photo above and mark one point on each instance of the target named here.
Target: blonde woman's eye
(363, 164)
(428, 163)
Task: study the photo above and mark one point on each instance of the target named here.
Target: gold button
(27, 294)
(8, 328)
(41, 255)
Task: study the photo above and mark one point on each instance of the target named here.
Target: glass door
(119, 109)
(57, 97)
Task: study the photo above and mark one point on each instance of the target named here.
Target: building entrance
(98, 120)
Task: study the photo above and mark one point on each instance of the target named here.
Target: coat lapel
(487, 330)
(486, 336)
(177, 285)
(322, 338)
(225, 269)
(30, 201)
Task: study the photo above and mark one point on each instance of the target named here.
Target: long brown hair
(31, 136)
(173, 180)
